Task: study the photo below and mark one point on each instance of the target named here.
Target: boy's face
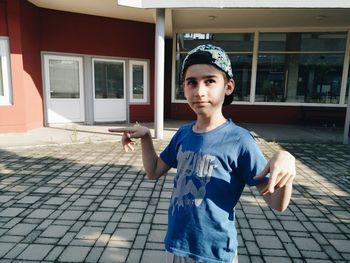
(205, 88)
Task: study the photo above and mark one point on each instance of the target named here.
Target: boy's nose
(201, 90)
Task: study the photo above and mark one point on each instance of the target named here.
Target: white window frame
(145, 99)
(6, 99)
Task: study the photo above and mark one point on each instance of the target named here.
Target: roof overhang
(235, 4)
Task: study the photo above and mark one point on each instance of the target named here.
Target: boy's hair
(211, 55)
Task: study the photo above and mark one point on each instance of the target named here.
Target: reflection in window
(109, 79)
(138, 89)
(296, 67)
(238, 46)
(64, 78)
(137, 81)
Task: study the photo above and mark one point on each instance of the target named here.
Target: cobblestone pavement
(90, 203)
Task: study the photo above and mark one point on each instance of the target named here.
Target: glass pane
(310, 78)
(109, 80)
(179, 91)
(137, 81)
(1, 79)
(270, 78)
(302, 41)
(238, 42)
(242, 70)
(64, 78)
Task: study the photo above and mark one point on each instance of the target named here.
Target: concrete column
(254, 67)
(343, 90)
(159, 74)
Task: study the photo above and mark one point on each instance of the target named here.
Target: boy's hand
(129, 133)
(282, 172)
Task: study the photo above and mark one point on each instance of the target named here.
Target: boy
(214, 159)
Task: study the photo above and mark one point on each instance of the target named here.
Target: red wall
(20, 26)
(270, 114)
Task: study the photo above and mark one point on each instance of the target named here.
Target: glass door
(109, 90)
(64, 89)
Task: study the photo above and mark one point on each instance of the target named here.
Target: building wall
(19, 24)
(92, 35)
(31, 30)
(330, 116)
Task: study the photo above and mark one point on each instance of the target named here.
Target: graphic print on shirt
(194, 171)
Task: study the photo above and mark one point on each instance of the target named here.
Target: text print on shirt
(194, 171)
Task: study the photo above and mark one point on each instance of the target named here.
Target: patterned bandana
(211, 55)
(208, 54)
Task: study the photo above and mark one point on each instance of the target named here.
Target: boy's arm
(277, 190)
(154, 166)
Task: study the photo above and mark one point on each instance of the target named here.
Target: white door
(109, 90)
(64, 89)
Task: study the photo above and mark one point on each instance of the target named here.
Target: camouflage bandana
(208, 54)
(211, 55)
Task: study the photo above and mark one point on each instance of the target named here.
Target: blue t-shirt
(212, 170)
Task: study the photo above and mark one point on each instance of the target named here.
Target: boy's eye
(210, 81)
(191, 83)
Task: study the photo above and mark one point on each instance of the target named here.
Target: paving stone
(21, 229)
(55, 231)
(74, 254)
(112, 254)
(306, 244)
(5, 247)
(156, 236)
(271, 242)
(35, 252)
(101, 216)
(15, 251)
(341, 245)
(11, 212)
(124, 234)
(89, 233)
(94, 255)
(153, 256)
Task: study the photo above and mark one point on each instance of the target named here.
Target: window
(109, 79)
(300, 67)
(64, 78)
(5, 75)
(239, 48)
(138, 82)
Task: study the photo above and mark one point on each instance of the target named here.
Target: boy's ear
(230, 86)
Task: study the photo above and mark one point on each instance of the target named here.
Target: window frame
(6, 99)
(256, 52)
(145, 99)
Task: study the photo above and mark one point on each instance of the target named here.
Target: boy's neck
(204, 124)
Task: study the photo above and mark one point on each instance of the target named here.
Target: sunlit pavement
(90, 202)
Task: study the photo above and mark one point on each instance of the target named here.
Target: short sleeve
(251, 161)
(168, 155)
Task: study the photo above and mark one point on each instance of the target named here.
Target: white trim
(145, 99)
(6, 99)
